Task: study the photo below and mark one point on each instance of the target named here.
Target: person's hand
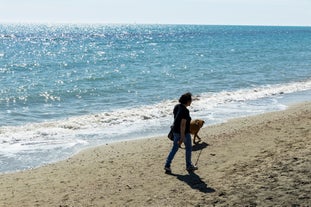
(181, 141)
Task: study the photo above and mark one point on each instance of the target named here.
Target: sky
(208, 12)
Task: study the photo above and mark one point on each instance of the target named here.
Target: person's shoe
(192, 168)
(168, 170)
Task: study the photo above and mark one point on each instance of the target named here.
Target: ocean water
(64, 88)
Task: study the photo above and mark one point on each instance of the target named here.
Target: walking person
(181, 131)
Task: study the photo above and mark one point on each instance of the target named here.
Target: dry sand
(263, 160)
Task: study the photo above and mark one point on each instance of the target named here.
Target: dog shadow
(195, 182)
(199, 146)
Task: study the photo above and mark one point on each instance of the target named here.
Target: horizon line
(141, 23)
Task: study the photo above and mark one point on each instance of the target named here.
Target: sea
(68, 87)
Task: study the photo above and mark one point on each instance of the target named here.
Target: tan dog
(195, 126)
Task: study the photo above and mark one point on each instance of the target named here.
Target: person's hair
(185, 98)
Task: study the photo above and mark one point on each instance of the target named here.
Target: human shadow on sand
(195, 182)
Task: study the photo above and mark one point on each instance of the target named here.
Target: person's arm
(182, 131)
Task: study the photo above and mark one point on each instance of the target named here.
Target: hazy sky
(224, 12)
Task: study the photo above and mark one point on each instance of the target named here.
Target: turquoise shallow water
(67, 87)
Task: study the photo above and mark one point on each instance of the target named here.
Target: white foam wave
(127, 117)
(207, 100)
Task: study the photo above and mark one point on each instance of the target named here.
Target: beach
(262, 160)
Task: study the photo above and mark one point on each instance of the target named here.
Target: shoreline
(257, 160)
(36, 144)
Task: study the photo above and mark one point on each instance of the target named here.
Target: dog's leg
(194, 139)
(199, 138)
(195, 135)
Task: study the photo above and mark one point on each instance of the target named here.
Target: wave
(138, 115)
(256, 92)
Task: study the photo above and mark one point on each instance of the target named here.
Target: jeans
(175, 148)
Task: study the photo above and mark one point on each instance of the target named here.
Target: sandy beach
(263, 160)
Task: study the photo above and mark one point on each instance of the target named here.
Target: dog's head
(199, 122)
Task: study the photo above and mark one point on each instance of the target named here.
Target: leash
(198, 157)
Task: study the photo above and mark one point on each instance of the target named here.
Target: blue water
(67, 87)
